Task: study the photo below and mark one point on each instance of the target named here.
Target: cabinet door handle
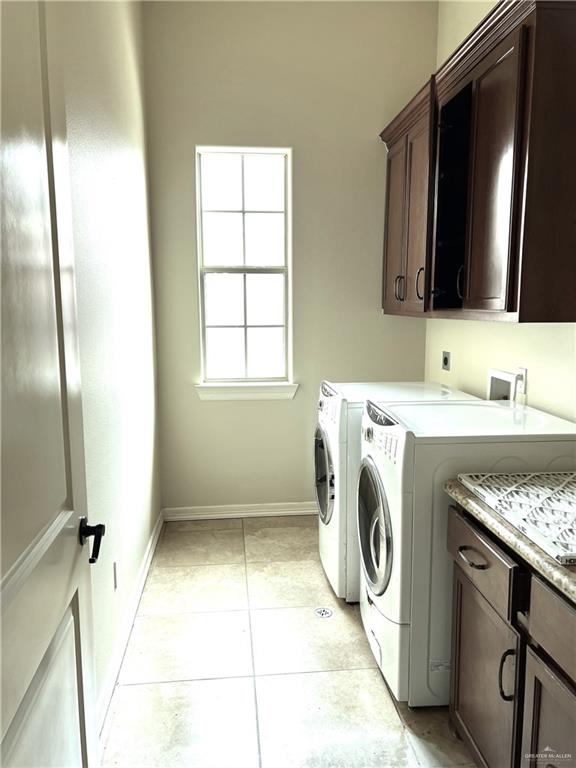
(504, 696)
(458, 281)
(471, 563)
(402, 278)
(396, 291)
(418, 294)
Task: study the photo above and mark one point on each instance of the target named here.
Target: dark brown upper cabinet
(497, 116)
(478, 150)
(408, 206)
(501, 206)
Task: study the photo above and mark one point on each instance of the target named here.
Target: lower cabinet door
(484, 659)
(549, 724)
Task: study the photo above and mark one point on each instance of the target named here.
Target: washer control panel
(382, 433)
(386, 443)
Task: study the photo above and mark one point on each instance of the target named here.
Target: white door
(48, 715)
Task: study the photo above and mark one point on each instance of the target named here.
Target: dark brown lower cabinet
(549, 725)
(513, 692)
(484, 659)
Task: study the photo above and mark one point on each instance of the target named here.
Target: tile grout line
(250, 562)
(245, 677)
(197, 565)
(404, 724)
(205, 611)
(252, 649)
(184, 680)
(317, 671)
(235, 562)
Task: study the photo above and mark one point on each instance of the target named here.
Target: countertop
(562, 577)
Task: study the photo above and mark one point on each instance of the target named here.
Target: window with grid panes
(243, 257)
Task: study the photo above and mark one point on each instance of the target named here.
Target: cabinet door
(452, 183)
(548, 728)
(497, 97)
(484, 653)
(417, 202)
(394, 234)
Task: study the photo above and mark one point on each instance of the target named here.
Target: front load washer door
(374, 528)
(323, 475)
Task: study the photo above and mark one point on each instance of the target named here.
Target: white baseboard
(240, 510)
(126, 627)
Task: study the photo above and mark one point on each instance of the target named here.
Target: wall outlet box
(521, 381)
(504, 385)
(445, 361)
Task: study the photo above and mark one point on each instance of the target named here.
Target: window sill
(238, 391)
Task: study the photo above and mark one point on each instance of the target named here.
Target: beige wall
(97, 46)
(456, 19)
(323, 78)
(548, 351)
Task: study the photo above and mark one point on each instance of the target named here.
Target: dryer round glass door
(374, 528)
(323, 475)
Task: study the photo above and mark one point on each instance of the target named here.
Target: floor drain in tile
(323, 613)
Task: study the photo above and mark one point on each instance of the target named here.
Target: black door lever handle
(86, 531)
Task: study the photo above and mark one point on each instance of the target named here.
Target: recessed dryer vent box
(502, 385)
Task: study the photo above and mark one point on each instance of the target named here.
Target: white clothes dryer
(408, 452)
(336, 463)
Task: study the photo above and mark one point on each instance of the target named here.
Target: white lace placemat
(541, 504)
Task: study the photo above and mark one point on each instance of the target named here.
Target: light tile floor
(229, 667)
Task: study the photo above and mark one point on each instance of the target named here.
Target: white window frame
(247, 388)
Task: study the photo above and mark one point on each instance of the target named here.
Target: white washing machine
(408, 452)
(336, 460)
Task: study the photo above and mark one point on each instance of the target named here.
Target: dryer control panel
(326, 390)
(378, 416)
(329, 406)
(326, 401)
